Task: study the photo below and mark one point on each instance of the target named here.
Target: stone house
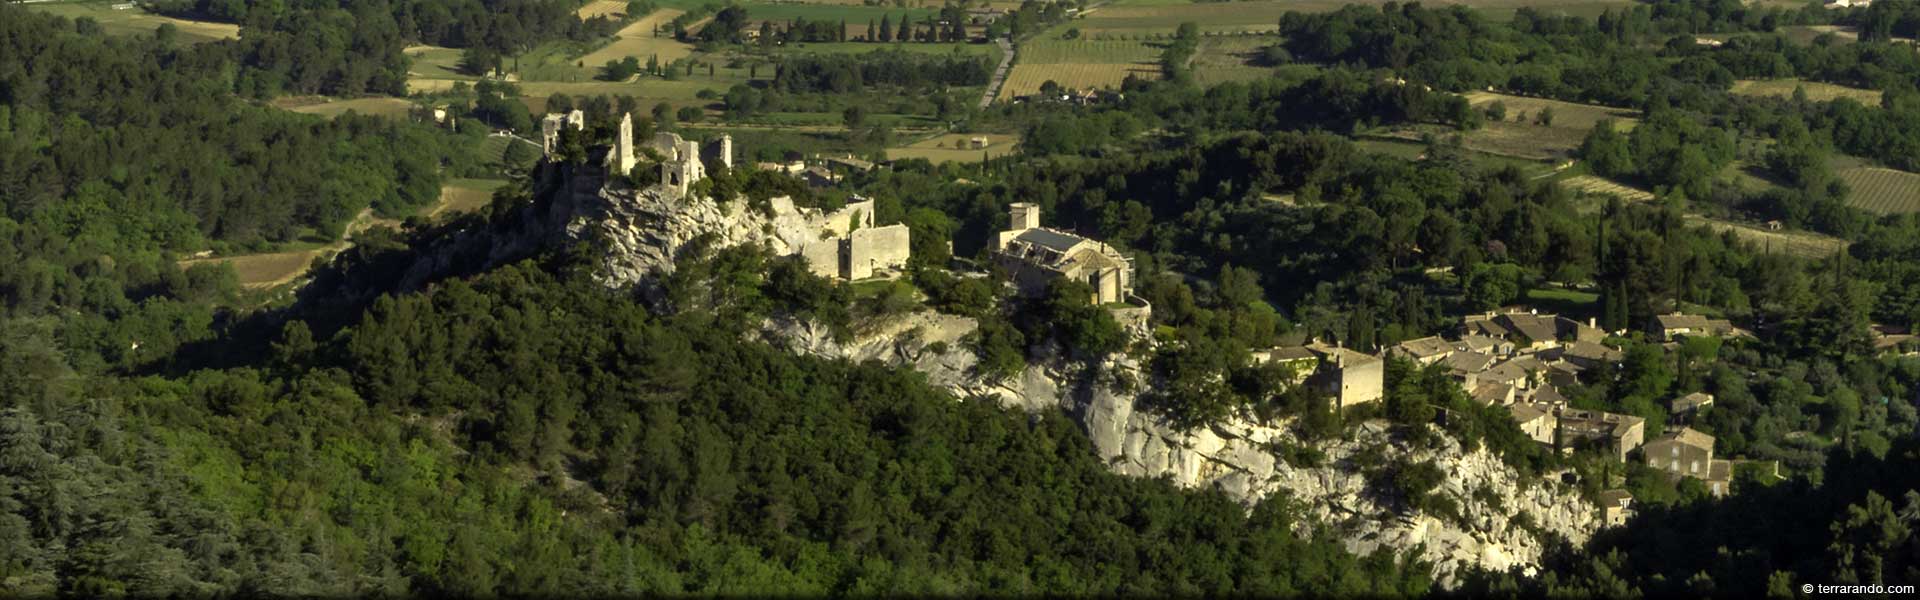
(1493, 394)
(1587, 355)
(1689, 453)
(1530, 329)
(1485, 344)
(1351, 377)
(1035, 256)
(1536, 420)
(1685, 407)
(1618, 434)
(1669, 327)
(1616, 506)
(1426, 350)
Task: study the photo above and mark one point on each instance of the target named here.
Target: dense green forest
(120, 154)
(480, 439)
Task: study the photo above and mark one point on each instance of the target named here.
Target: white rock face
(647, 231)
(1233, 457)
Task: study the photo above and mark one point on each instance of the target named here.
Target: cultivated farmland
(463, 195)
(1797, 243)
(1598, 185)
(954, 147)
(602, 8)
(1231, 58)
(1080, 64)
(637, 40)
(134, 21)
(1520, 135)
(1816, 91)
(434, 62)
(375, 106)
(1027, 78)
(1882, 191)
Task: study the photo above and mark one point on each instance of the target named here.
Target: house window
(1695, 466)
(1676, 451)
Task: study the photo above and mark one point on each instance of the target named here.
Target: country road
(999, 74)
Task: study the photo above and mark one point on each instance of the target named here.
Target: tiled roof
(1424, 347)
(1618, 498)
(1682, 321)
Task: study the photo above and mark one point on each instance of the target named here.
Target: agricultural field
(603, 8)
(268, 270)
(1026, 79)
(1882, 191)
(955, 147)
(134, 21)
(988, 50)
(1594, 184)
(374, 106)
(637, 40)
(1519, 136)
(1797, 243)
(434, 63)
(1412, 150)
(1231, 58)
(853, 14)
(1079, 64)
(1816, 91)
(461, 196)
(1088, 51)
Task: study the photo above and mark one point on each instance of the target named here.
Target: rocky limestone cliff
(1235, 457)
(645, 231)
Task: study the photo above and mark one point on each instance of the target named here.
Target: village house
(1482, 343)
(1689, 453)
(1616, 506)
(1530, 329)
(1536, 420)
(1683, 409)
(1587, 355)
(1669, 327)
(1036, 256)
(1494, 394)
(1616, 433)
(1351, 377)
(1426, 350)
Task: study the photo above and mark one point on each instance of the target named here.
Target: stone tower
(1026, 215)
(623, 145)
(690, 158)
(726, 150)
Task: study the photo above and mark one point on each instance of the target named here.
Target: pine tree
(886, 30)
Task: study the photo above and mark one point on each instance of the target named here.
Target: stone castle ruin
(852, 248)
(843, 244)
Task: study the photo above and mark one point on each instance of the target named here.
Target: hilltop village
(1515, 358)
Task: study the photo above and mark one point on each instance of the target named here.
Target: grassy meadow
(134, 21)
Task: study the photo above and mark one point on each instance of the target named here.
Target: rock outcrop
(1502, 513)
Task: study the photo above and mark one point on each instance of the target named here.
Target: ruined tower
(623, 145)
